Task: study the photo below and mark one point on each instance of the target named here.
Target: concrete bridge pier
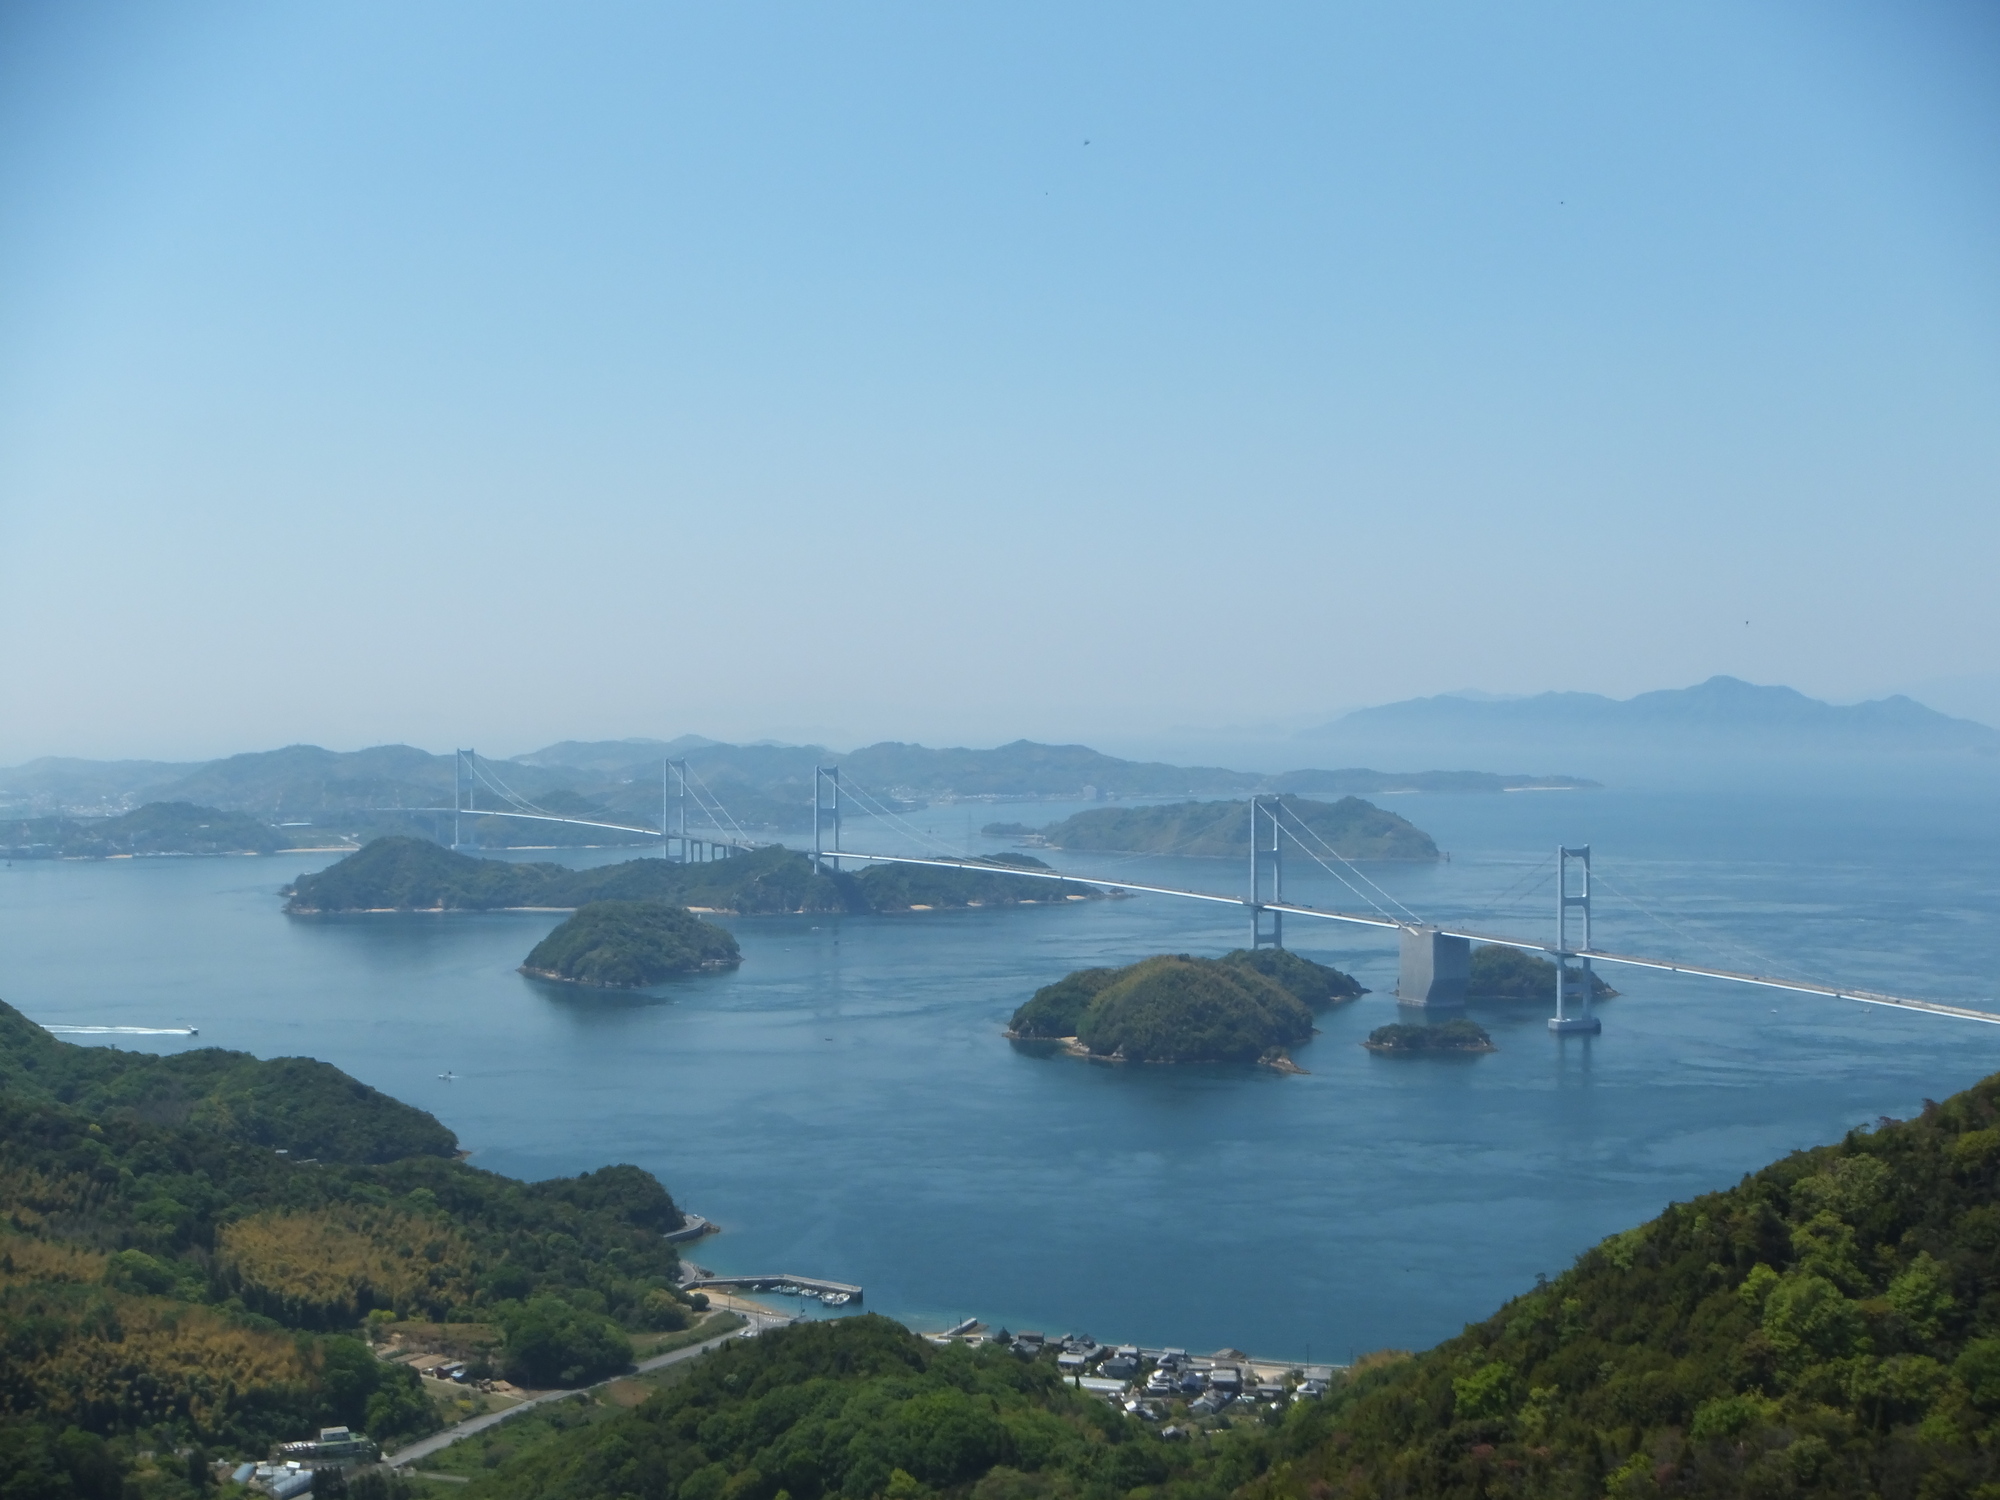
(1435, 969)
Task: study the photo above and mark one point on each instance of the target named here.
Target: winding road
(437, 1442)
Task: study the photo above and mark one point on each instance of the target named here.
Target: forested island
(1503, 973)
(1457, 1035)
(156, 828)
(1350, 827)
(190, 1244)
(626, 944)
(408, 874)
(1244, 1007)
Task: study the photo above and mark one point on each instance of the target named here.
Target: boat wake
(125, 1030)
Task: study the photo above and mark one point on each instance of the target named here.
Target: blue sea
(844, 1104)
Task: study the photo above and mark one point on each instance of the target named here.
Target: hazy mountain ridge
(767, 787)
(1722, 708)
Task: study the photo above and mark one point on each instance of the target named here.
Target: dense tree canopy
(1188, 1009)
(164, 1270)
(624, 944)
(1183, 1009)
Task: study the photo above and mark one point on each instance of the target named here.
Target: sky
(499, 373)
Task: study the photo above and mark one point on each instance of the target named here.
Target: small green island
(1246, 1007)
(1458, 1035)
(1503, 973)
(626, 944)
(1352, 828)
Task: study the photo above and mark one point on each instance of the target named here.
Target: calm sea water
(845, 1106)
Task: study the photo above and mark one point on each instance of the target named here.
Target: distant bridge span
(1436, 959)
(1463, 934)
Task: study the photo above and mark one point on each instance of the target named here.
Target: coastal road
(437, 1442)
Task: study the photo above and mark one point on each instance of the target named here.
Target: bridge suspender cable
(1598, 955)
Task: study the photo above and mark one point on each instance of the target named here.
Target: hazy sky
(488, 374)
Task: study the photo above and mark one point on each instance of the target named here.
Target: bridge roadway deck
(1595, 955)
(714, 837)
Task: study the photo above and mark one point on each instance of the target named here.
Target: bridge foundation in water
(1435, 969)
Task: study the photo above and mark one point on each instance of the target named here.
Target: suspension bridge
(1435, 959)
(679, 785)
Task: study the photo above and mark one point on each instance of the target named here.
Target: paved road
(437, 1442)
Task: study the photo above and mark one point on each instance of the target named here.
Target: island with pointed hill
(1246, 1007)
(628, 944)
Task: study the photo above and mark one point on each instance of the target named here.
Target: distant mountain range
(769, 786)
(766, 787)
(1723, 714)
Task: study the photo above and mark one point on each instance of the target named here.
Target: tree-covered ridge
(1503, 973)
(625, 944)
(1057, 1010)
(1318, 985)
(1830, 1327)
(859, 1408)
(298, 1105)
(1354, 829)
(156, 828)
(409, 874)
(1175, 1008)
(164, 1272)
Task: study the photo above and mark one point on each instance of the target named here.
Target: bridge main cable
(1765, 981)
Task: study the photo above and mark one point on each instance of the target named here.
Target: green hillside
(1354, 829)
(1830, 1327)
(625, 944)
(860, 1408)
(1182, 1009)
(294, 1104)
(1317, 985)
(168, 1278)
